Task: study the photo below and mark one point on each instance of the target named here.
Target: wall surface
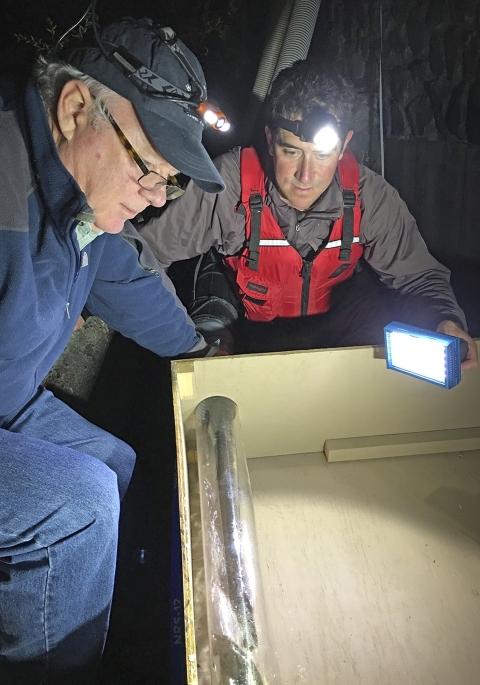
(430, 51)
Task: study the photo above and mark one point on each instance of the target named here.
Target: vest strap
(256, 207)
(349, 201)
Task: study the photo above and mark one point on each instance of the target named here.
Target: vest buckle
(349, 198)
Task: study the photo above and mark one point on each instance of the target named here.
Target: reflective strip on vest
(337, 243)
(285, 243)
(275, 243)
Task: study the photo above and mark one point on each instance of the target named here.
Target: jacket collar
(60, 192)
(328, 207)
(314, 224)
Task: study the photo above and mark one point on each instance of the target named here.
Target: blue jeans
(61, 481)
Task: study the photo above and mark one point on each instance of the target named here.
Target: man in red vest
(298, 249)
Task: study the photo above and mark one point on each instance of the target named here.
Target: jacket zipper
(76, 255)
(305, 275)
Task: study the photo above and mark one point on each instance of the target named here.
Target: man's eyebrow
(147, 160)
(152, 166)
(282, 143)
(149, 163)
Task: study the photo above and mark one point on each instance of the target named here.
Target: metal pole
(380, 95)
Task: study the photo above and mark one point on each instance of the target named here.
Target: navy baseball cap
(173, 127)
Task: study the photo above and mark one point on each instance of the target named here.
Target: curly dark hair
(302, 87)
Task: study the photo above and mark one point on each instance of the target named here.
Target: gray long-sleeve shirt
(389, 234)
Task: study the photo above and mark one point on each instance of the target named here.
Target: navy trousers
(61, 482)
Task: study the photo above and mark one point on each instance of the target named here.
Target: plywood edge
(185, 379)
(402, 444)
(184, 507)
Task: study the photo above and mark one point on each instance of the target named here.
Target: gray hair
(52, 74)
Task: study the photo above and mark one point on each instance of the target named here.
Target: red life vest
(273, 279)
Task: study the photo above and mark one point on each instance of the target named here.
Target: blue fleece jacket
(45, 280)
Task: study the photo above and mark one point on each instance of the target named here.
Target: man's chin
(109, 225)
(300, 207)
(301, 204)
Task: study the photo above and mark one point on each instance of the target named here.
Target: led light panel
(431, 356)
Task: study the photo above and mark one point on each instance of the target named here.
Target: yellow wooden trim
(183, 497)
(185, 380)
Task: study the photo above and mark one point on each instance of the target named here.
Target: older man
(291, 232)
(82, 151)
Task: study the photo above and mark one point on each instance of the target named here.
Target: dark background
(430, 54)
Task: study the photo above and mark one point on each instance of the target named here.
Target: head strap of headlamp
(146, 80)
(308, 127)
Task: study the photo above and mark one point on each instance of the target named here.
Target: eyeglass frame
(173, 190)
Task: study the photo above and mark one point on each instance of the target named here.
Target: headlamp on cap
(155, 86)
(213, 116)
(318, 127)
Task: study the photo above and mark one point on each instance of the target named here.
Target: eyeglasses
(149, 180)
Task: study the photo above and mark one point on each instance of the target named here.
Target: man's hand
(222, 353)
(80, 322)
(451, 328)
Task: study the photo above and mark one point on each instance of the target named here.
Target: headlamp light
(318, 127)
(213, 116)
(326, 139)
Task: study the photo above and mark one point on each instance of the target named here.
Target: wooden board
(185, 538)
(293, 402)
(372, 568)
(352, 550)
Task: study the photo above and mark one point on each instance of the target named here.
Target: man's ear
(348, 138)
(269, 135)
(72, 109)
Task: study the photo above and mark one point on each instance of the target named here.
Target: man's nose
(157, 198)
(305, 170)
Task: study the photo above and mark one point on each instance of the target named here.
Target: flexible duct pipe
(289, 42)
(272, 50)
(268, 62)
(240, 652)
(299, 35)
